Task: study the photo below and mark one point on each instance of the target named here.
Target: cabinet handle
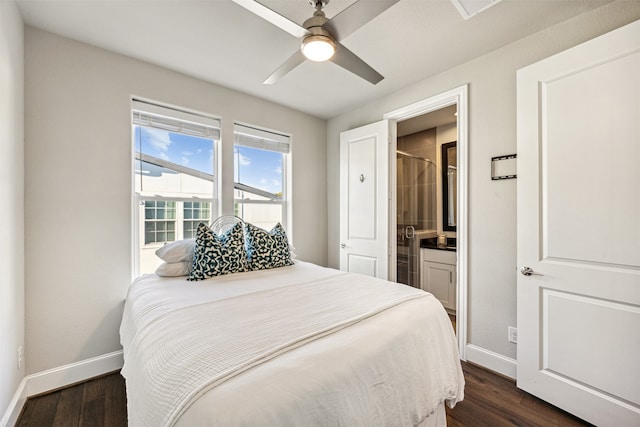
(450, 276)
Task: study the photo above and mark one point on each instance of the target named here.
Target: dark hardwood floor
(98, 402)
(494, 400)
(490, 400)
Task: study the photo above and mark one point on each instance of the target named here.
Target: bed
(298, 345)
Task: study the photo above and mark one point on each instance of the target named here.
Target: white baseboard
(55, 378)
(490, 360)
(72, 373)
(15, 406)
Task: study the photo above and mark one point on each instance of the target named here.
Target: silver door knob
(343, 246)
(528, 271)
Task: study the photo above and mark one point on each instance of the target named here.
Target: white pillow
(174, 269)
(181, 250)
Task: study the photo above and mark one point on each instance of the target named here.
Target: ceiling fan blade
(355, 16)
(275, 18)
(291, 63)
(349, 61)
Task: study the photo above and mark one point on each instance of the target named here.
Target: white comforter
(299, 345)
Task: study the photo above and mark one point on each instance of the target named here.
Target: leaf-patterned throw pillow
(267, 249)
(216, 255)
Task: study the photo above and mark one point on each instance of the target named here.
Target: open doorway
(421, 191)
(428, 210)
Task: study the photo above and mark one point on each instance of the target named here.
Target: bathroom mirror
(449, 186)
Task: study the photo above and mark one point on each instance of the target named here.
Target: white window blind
(155, 116)
(261, 139)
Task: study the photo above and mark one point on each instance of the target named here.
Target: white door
(364, 199)
(579, 229)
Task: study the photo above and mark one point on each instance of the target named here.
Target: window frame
(280, 140)
(137, 213)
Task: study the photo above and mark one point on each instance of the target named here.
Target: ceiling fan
(321, 36)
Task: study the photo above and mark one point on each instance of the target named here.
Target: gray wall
(78, 185)
(492, 132)
(12, 196)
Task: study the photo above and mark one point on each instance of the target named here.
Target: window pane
(149, 237)
(259, 169)
(173, 162)
(187, 227)
(183, 150)
(263, 215)
(190, 228)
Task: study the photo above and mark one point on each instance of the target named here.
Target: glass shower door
(416, 210)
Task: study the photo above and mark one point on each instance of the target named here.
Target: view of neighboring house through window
(174, 177)
(194, 214)
(159, 221)
(260, 176)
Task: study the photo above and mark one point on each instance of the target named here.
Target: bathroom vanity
(438, 271)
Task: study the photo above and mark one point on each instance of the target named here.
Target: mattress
(300, 345)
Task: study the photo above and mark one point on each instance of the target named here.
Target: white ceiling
(220, 42)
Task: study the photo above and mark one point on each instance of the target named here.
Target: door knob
(343, 246)
(528, 271)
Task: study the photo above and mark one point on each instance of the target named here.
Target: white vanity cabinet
(438, 275)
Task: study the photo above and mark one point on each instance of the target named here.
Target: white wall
(492, 131)
(78, 185)
(12, 196)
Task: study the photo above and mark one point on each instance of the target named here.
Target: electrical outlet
(19, 357)
(513, 335)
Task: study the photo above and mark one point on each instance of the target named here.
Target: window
(260, 176)
(195, 213)
(174, 153)
(159, 222)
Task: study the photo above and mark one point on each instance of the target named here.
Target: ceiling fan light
(318, 48)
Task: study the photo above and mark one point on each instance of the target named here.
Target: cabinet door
(440, 280)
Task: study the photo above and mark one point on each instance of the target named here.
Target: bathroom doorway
(423, 134)
(416, 201)
(423, 187)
